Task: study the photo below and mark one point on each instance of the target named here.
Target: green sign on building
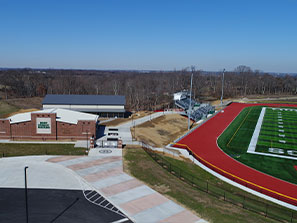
(44, 125)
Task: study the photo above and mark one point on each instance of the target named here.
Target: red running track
(203, 143)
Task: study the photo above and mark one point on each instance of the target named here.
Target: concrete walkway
(138, 201)
(41, 174)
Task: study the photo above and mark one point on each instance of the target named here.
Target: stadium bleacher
(198, 111)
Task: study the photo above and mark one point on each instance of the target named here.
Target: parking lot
(52, 205)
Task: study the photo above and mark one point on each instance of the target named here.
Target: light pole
(26, 194)
(222, 87)
(190, 107)
(134, 130)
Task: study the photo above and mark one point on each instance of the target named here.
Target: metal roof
(73, 99)
(63, 115)
(100, 110)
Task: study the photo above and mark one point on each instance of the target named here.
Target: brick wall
(4, 129)
(58, 130)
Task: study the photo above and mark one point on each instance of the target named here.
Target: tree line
(148, 90)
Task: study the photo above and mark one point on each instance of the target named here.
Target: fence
(268, 210)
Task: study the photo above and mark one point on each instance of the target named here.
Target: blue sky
(149, 34)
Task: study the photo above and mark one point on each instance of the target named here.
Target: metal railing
(268, 210)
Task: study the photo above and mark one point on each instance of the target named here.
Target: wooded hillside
(143, 90)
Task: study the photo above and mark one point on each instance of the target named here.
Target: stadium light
(222, 87)
(190, 107)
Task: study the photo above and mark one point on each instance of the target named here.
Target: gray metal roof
(71, 99)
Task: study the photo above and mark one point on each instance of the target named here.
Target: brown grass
(162, 130)
(23, 111)
(116, 122)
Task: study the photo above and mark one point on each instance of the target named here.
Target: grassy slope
(9, 149)
(6, 109)
(141, 165)
(247, 120)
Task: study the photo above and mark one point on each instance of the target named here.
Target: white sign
(43, 126)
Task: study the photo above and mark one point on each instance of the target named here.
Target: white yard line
(274, 155)
(254, 140)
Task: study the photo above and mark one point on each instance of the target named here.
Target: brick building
(49, 125)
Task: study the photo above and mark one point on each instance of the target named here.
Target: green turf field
(236, 138)
(279, 132)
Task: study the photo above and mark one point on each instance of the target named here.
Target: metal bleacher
(198, 111)
(185, 103)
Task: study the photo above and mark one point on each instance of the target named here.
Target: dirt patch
(162, 130)
(146, 125)
(162, 188)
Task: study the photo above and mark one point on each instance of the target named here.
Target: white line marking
(274, 155)
(121, 220)
(97, 199)
(256, 133)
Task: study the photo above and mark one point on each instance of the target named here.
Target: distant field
(236, 138)
(11, 106)
(6, 109)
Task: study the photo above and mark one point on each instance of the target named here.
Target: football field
(264, 138)
(276, 133)
(222, 145)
